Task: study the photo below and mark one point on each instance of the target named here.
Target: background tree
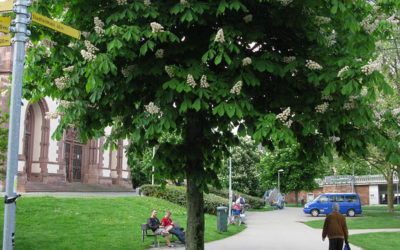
(246, 176)
(298, 174)
(282, 71)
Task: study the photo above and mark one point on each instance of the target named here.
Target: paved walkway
(279, 230)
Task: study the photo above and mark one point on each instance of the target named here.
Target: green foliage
(245, 173)
(298, 173)
(177, 195)
(254, 202)
(141, 168)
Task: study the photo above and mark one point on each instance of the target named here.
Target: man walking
(335, 228)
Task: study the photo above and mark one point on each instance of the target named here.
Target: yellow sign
(6, 6)
(45, 21)
(5, 23)
(5, 41)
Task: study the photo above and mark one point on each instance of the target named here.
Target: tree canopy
(282, 71)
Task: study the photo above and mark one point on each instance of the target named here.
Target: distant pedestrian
(302, 200)
(335, 228)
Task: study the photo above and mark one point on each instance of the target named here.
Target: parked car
(350, 204)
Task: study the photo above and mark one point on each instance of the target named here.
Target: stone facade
(45, 164)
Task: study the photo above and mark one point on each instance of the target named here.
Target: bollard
(222, 219)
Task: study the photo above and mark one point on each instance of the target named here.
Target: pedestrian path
(276, 230)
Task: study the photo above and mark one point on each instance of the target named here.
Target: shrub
(254, 202)
(177, 195)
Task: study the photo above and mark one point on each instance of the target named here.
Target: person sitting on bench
(157, 228)
(169, 225)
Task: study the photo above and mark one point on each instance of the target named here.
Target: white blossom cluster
(156, 27)
(288, 59)
(334, 139)
(237, 88)
(87, 55)
(342, 70)
(219, 38)
(322, 107)
(90, 47)
(393, 19)
(349, 105)
(246, 61)
(72, 45)
(313, 65)
(358, 59)
(169, 71)
(29, 45)
(48, 43)
(367, 25)
(114, 30)
(190, 81)
(327, 98)
(62, 82)
(152, 108)
(5, 93)
(248, 18)
(85, 34)
(331, 40)
(183, 2)
(127, 70)
(203, 82)
(159, 53)
(69, 69)
(284, 117)
(372, 66)
(64, 103)
(322, 20)
(395, 112)
(147, 2)
(98, 26)
(52, 115)
(122, 2)
(286, 2)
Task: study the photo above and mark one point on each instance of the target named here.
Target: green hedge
(177, 195)
(254, 202)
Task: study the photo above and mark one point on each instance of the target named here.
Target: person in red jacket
(335, 228)
(171, 228)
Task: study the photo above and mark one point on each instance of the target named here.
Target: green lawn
(293, 205)
(95, 223)
(263, 209)
(369, 220)
(384, 208)
(373, 241)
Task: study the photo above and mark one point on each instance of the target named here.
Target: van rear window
(337, 198)
(351, 198)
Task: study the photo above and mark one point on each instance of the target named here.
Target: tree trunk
(194, 173)
(296, 197)
(389, 190)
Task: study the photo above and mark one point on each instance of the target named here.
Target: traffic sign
(5, 23)
(6, 6)
(5, 41)
(45, 21)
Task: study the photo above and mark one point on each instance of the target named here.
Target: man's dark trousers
(336, 244)
(178, 232)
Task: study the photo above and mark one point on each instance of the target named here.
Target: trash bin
(222, 219)
(138, 191)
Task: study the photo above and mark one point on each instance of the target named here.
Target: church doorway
(73, 157)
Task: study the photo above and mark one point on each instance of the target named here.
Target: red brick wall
(362, 191)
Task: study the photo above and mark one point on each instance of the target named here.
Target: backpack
(241, 200)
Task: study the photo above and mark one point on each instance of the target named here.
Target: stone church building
(45, 164)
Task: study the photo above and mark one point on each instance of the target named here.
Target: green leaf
(218, 59)
(197, 105)
(227, 59)
(230, 109)
(143, 49)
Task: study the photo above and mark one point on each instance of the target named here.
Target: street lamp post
(279, 181)
(230, 185)
(398, 179)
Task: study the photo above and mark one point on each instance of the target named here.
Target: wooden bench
(145, 228)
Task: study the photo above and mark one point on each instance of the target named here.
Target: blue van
(350, 204)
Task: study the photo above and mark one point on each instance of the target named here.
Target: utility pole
(21, 21)
(152, 168)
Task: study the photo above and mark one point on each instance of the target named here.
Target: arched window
(73, 156)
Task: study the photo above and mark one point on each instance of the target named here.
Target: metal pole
(152, 168)
(21, 36)
(230, 185)
(279, 184)
(398, 179)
